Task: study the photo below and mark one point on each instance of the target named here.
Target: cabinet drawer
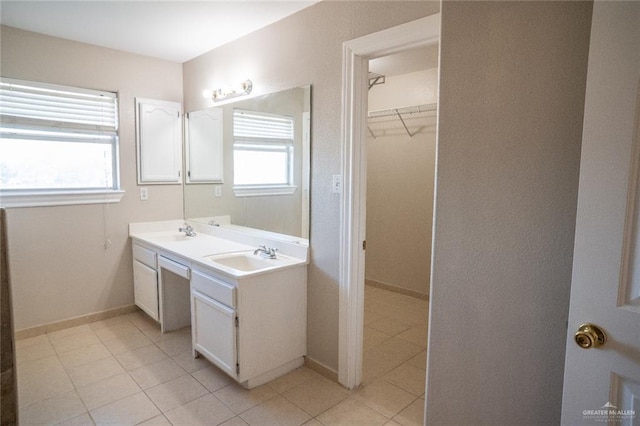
(145, 256)
(214, 288)
(175, 267)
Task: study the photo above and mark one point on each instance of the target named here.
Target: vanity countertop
(221, 254)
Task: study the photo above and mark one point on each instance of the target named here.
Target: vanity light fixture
(243, 88)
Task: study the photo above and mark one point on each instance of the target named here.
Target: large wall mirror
(248, 164)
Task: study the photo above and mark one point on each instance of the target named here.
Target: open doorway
(400, 171)
(356, 56)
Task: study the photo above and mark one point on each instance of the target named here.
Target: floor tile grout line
(306, 412)
(87, 411)
(391, 418)
(75, 387)
(154, 404)
(186, 373)
(186, 402)
(172, 356)
(74, 390)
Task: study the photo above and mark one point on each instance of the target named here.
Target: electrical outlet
(336, 184)
(218, 191)
(144, 194)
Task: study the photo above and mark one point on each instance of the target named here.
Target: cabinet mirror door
(204, 146)
(159, 141)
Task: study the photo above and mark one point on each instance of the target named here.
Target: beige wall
(510, 122)
(400, 179)
(408, 89)
(60, 267)
(306, 48)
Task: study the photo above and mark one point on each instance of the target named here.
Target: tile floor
(123, 371)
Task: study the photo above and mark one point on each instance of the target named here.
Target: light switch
(218, 191)
(144, 194)
(336, 184)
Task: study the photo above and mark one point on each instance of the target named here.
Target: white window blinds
(251, 126)
(24, 102)
(56, 139)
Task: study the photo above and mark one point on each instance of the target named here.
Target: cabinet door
(145, 288)
(204, 146)
(214, 331)
(159, 141)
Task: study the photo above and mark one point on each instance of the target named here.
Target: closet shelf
(415, 109)
(399, 112)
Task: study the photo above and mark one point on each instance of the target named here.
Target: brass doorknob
(590, 336)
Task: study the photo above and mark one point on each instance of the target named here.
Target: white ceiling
(173, 30)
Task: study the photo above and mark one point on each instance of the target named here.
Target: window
(262, 153)
(58, 145)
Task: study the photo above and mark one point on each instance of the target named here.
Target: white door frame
(355, 68)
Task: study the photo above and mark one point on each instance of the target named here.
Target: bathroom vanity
(247, 312)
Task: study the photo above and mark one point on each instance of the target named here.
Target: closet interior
(401, 149)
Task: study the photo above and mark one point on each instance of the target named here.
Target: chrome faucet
(266, 252)
(188, 230)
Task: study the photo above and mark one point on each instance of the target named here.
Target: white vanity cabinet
(161, 287)
(213, 321)
(145, 280)
(253, 328)
(247, 313)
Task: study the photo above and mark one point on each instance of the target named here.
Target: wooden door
(602, 383)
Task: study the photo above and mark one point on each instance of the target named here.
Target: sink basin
(246, 262)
